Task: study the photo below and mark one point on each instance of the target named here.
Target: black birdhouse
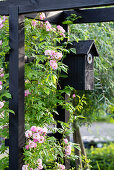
(81, 65)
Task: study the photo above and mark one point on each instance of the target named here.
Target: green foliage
(71, 19)
(102, 96)
(42, 97)
(102, 158)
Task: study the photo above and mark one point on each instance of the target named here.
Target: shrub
(102, 158)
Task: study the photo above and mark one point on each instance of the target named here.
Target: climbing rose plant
(43, 42)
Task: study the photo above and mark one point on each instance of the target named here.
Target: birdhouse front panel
(81, 65)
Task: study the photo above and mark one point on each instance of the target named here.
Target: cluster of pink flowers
(54, 57)
(34, 135)
(47, 25)
(27, 93)
(41, 17)
(39, 161)
(61, 30)
(34, 23)
(60, 167)
(67, 147)
(1, 25)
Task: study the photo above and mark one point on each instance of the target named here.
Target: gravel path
(98, 130)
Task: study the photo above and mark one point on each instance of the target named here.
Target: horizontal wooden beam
(49, 5)
(92, 15)
(87, 16)
(29, 6)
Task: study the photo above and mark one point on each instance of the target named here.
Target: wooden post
(16, 86)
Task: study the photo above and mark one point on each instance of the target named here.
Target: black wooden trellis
(16, 9)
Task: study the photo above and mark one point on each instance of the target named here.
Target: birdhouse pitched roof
(85, 47)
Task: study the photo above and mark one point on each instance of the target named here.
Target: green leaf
(73, 50)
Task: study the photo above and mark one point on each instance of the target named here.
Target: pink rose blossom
(39, 161)
(65, 140)
(61, 167)
(27, 147)
(58, 56)
(0, 87)
(1, 23)
(2, 75)
(0, 42)
(31, 168)
(68, 150)
(60, 29)
(34, 129)
(53, 64)
(4, 18)
(34, 23)
(48, 26)
(27, 81)
(73, 95)
(52, 54)
(32, 144)
(28, 133)
(43, 131)
(1, 104)
(42, 16)
(47, 52)
(35, 145)
(27, 93)
(25, 167)
(0, 82)
(62, 34)
(36, 136)
(40, 167)
(40, 164)
(42, 139)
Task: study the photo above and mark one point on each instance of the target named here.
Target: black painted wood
(48, 5)
(6, 142)
(16, 86)
(87, 16)
(29, 6)
(92, 15)
(80, 73)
